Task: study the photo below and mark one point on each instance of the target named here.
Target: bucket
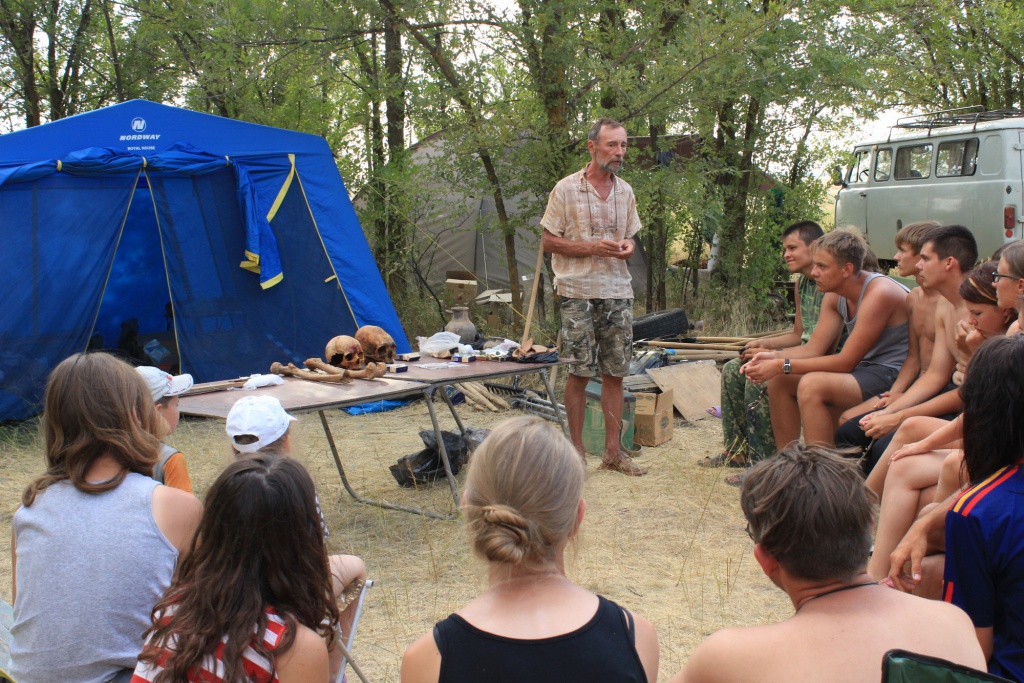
(593, 420)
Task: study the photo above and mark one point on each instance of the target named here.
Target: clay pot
(461, 325)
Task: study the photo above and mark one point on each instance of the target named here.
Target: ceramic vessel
(461, 325)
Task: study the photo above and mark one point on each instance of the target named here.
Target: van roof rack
(961, 116)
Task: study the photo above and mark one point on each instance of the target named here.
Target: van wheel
(660, 324)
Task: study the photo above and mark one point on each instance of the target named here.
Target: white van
(958, 166)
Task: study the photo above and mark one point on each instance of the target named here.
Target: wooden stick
(533, 295)
(777, 333)
(469, 391)
(724, 340)
(490, 395)
(694, 347)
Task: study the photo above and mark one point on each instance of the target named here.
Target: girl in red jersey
(253, 600)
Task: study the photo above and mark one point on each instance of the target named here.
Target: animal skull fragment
(378, 346)
(344, 352)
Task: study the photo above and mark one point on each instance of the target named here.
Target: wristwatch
(787, 367)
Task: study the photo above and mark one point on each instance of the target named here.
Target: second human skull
(377, 344)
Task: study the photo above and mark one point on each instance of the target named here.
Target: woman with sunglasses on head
(523, 504)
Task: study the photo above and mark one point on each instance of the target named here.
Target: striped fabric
(256, 667)
(576, 211)
(974, 495)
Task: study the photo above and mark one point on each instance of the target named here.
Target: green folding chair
(900, 666)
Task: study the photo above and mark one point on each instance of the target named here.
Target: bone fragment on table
(291, 371)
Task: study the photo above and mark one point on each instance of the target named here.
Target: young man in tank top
(815, 390)
(810, 518)
(946, 257)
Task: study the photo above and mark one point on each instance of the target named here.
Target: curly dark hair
(260, 544)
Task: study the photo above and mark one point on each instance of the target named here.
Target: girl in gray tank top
(91, 560)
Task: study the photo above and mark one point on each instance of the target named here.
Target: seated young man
(746, 424)
(946, 257)
(814, 389)
(921, 303)
(810, 518)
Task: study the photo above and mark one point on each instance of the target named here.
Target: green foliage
(765, 85)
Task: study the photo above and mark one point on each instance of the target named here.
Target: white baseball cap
(259, 416)
(162, 384)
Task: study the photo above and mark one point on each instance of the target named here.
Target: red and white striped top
(256, 667)
(576, 211)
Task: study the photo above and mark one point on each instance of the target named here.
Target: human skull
(344, 352)
(377, 344)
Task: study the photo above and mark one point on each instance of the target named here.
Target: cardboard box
(654, 419)
(460, 287)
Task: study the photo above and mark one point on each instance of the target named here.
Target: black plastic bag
(425, 467)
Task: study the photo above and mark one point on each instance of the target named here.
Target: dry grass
(670, 545)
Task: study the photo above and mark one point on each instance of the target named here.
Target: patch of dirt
(670, 546)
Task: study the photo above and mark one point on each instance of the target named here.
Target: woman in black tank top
(523, 502)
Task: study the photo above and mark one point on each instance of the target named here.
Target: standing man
(588, 227)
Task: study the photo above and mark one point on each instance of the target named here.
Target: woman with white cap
(259, 424)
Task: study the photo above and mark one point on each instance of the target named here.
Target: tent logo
(138, 126)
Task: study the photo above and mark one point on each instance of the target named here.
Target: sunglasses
(996, 277)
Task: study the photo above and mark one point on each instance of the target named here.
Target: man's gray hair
(595, 130)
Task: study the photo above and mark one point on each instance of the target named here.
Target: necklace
(590, 211)
(837, 590)
(538, 577)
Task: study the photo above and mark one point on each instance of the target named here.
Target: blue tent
(233, 241)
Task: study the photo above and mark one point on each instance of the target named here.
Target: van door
(851, 202)
(881, 220)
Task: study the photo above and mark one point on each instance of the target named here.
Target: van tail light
(1009, 220)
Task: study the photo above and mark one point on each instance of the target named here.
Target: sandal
(723, 459)
(736, 480)
(623, 464)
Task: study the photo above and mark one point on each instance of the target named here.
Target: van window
(913, 162)
(860, 171)
(883, 165)
(956, 158)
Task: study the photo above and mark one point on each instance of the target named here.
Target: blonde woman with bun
(523, 503)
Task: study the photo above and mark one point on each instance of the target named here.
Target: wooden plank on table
(695, 387)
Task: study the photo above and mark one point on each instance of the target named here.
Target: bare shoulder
(177, 515)
(647, 646)
(422, 661)
(306, 660)
(887, 288)
(716, 661)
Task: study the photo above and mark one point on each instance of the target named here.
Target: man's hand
(626, 248)
(762, 367)
(885, 398)
(880, 423)
(611, 249)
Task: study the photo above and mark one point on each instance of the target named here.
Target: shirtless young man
(810, 517)
(814, 390)
(946, 257)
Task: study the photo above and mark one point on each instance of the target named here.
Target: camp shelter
(233, 241)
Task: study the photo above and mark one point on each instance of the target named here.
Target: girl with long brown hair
(96, 539)
(252, 601)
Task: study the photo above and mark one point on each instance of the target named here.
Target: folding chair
(900, 666)
(346, 648)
